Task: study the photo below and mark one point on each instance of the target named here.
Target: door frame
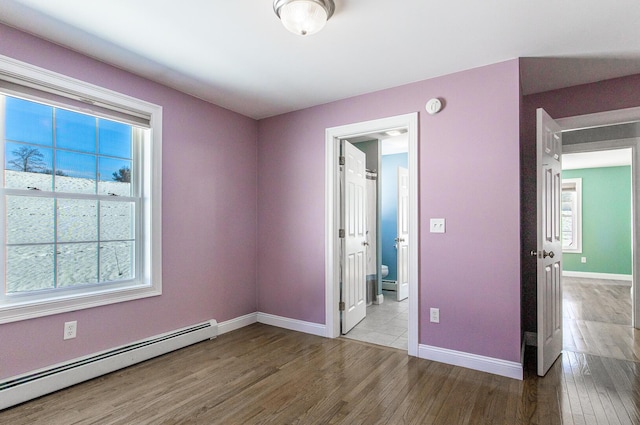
(333, 136)
(613, 117)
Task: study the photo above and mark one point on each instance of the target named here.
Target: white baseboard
(472, 361)
(292, 324)
(604, 276)
(531, 339)
(237, 323)
(379, 299)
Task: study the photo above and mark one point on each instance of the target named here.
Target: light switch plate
(434, 315)
(437, 225)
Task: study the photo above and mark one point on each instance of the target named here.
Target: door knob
(546, 254)
(365, 243)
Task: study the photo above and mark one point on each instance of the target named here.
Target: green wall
(606, 221)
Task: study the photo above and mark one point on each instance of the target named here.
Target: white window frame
(149, 282)
(575, 185)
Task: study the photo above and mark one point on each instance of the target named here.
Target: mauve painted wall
(618, 93)
(468, 174)
(209, 221)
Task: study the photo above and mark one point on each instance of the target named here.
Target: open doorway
(336, 284)
(597, 209)
(387, 298)
(549, 186)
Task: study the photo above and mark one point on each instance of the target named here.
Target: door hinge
(341, 233)
(341, 160)
(341, 305)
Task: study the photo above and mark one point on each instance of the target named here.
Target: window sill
(24, 311)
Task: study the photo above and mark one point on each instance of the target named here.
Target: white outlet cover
(437, 225)
(70, 329)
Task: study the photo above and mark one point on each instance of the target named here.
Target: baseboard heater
(26, 387)
(389, 285)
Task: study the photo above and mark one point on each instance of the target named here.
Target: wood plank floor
(597, 319)
(267, 375)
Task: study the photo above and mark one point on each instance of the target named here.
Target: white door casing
(333, 136)
(402, 240)
(549, 245)
(354, 258)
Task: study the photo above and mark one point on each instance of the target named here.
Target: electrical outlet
(70, 329)
(583, 259)
(435, 315)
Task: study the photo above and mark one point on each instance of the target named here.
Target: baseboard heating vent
(35, 384)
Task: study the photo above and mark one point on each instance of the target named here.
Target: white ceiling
(613, 158)
(235, 53)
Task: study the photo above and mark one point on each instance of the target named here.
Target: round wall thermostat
(433, 106)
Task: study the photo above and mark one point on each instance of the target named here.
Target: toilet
(384, 271)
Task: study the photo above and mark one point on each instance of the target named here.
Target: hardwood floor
(262, 374)
(597, 319)
(597, 300)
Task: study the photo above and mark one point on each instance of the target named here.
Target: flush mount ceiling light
(304, 17)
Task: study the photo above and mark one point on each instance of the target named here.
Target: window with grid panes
(77, 201)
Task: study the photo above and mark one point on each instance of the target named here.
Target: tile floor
(385, 324)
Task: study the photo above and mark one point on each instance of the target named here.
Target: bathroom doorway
(386, 314)
(396, 321)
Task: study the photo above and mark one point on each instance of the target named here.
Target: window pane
(77, 264)
(29, 220)
(115, 177)
(28, 122)
(28, 167)
(569, 198)
(29, 268)
(75, 131)
(117, 220)
(116, 261)
(77, 220)
(114, 138)
(75, 173)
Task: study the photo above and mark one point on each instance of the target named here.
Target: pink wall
(209, 221)
(618, 93)
(469, 174)
(213, 198)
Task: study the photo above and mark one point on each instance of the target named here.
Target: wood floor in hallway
(597, 318)
(262, 374)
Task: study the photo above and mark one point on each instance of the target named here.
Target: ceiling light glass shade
(304, 17)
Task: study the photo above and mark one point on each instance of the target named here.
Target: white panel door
(549, 249)
(354, 279)
(402, 241)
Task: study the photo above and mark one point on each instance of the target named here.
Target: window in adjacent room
(80, 197)
(572, 215)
